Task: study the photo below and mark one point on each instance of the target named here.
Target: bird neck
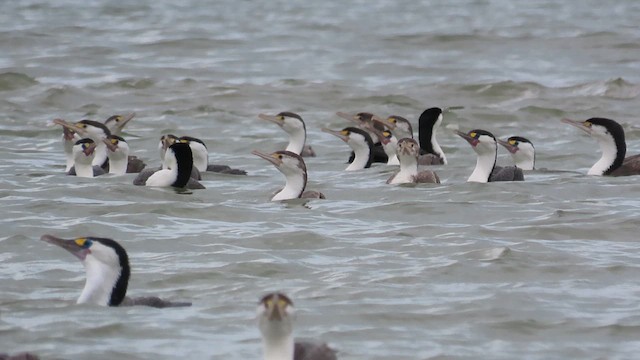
(118, 163)
(390, 150)
(484, 166)
(68, 152)
(293, 188)
(83, 169)
(613, 153)
(297, 138)
(100, 156)
(523, 162)
(409, 166)
(393, 160)
(362, 157)
(101, 283)
(200, 157)
(429, 143)
(281, 348)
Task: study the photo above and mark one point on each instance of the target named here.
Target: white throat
(100, 153)
(362, 153)
(118, 162)
(200, 156)
(278, 348)
(293, 188)
(609, 153)
(434, 142)
(297, 138)
(101, 280)
(484, 167)
(408, 171)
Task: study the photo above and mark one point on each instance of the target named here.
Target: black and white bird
(107, 270)
(408, 150)
(83, 153)
(361, 143)
(165, 142)
(363, 120)
(275, 321)
(522, 151)
(175, 171)
(95, 130)
(430, 151)
(387, 139)
(120, 162)
(293, 125)
(292, 166)
(610, 136)
(486, 148)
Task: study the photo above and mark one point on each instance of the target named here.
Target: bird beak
(70, 127)
(339, 134)
(270, 158)
(89, 149)
(69, 245)
(273, 119)
(579, 124)
(274, 312)
(512, 148)
(348, 116)
(466, 136)
(125, 119)
(111, 146)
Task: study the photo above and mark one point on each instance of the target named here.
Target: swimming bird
(293, 125)
(521, 150)
(361, 143)
(165, 142)
(116, 123)
(408, 150)
(363, 121)
(95, 130)
(275, 321)
(610, 136)
(387, 139)
(69, 138)
(428, 124)
(176, 169)
(119, 160)
(486, 148)
(201, 158)
(107, 269)
(292, 166)
(83, 155)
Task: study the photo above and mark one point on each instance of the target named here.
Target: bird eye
(473, 134)
(114, 141)
(280, 117)
(344, 132)
(587, 124)
(84, 242)
(392, 120)
(118, 118)
(512, 142)
(282, 303)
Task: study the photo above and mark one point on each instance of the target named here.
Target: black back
(426, 122)
(189, 138)
(184, 158)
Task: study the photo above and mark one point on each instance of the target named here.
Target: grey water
(545, 269)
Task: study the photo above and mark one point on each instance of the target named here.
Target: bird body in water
(293, 125)
(107, 269)
(611, 138)
(292, 166)
(408, 150)
(120, 162)
(486, 148)
(275, 321)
